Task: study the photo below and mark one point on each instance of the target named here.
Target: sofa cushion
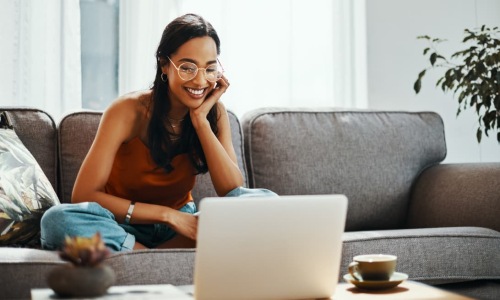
(25, 269)
(37, 130)
(371, 157)
(432, 255)
(76, 134)
(450, 195)
(156, 266)
(25, 191)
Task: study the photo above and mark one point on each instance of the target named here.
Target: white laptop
(269, 248)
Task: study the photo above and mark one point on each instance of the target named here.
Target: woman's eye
(212, 69)
(188, 69)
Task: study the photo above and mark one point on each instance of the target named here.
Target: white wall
(395, 59)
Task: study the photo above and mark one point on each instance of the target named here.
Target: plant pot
(73, 281)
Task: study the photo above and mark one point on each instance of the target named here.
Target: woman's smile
(196, 93)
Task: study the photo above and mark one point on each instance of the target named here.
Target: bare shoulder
(128, 113)
(130, 107)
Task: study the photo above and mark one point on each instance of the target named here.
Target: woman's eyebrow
(211, 62)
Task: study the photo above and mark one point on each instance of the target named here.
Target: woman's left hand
(200, 113)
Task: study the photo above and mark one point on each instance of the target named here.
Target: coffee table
(407, 290)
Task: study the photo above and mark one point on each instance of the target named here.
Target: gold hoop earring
(164, 79)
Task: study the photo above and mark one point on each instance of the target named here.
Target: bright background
(65, 55)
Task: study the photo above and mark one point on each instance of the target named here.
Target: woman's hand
(199, 114)
(184, 223)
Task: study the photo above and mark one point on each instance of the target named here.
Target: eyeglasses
(188, 71)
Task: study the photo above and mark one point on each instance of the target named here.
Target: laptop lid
(286, 247)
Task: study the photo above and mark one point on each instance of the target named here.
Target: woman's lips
(196, 93)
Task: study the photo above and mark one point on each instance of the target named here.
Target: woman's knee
(53, 224)
(248, 192)
(69, 220)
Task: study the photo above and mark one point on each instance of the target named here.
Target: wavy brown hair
(162, 147)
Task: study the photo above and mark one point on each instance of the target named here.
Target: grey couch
(441, 220)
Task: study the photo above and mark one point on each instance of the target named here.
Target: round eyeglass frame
(178, 68)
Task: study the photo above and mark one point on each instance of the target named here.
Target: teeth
(196, 92)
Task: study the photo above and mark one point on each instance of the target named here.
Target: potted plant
(472, 74)
(86, 276)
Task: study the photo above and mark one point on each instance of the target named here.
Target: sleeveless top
(136, 177)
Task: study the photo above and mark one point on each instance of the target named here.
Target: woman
(141, 167)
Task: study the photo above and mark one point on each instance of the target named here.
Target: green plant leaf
(496, 102)
(472, 75)
(417, 85)
(478, 107)
(467, 38)
(473, 100)
(433, 58)
(461, 97)
(439, 81)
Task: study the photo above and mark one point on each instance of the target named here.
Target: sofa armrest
(456, 195)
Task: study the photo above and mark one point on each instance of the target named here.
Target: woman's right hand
(184, 223)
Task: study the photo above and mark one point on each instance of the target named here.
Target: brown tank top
(136, 177)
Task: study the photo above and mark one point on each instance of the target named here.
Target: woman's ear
(164, 65)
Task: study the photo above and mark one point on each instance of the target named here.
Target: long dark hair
(162, 147)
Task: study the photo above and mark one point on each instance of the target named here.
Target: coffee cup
(373, 267)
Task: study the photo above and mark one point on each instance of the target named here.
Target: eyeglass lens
(188, 71)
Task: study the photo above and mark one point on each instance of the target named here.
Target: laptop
(286, 247)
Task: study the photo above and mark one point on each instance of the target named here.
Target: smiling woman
(149, 147)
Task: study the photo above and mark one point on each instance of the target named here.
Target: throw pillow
(25, 191)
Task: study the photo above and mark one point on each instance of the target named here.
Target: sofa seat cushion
(24, 269)
(154, 266)
(432, 255)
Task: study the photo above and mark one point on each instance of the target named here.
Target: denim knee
(52, 227)
(247, 192)
(81, 219)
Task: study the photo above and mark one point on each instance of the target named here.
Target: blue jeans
(85, 219)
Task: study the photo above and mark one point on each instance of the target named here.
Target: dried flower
(85, 252)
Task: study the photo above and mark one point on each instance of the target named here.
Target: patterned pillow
(25, 191)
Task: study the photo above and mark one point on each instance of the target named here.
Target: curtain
(275, 53)
(40, 55)
(141, 26)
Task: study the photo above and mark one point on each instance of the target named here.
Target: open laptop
(286, 247)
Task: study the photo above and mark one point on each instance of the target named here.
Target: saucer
(394, 281)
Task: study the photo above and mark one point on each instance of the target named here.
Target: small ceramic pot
(73, 281)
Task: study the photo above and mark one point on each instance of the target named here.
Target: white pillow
(25, 191)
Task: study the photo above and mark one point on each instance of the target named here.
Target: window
(99, 52)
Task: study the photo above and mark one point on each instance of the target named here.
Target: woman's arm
(121, 122)
(219, 151)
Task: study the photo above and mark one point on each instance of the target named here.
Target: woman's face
(201, 51)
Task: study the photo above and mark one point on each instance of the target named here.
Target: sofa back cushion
(371, 157)
(37, 130)
(77, 132)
